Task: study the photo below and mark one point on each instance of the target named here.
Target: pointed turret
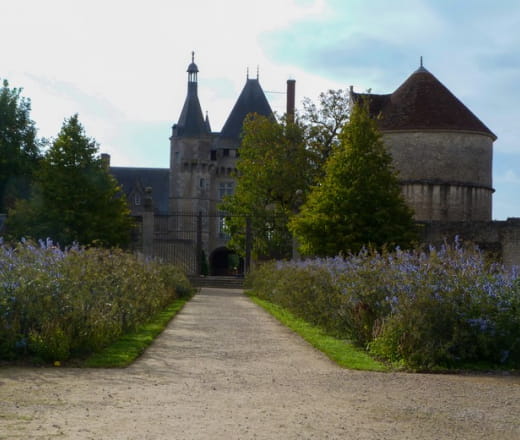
(208, 125)
(191, 121)
(251, 100)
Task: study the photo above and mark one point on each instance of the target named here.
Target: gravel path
(224, 369)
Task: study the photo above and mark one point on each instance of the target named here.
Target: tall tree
(359, 201)
(323, 123)
(19, 147)
(279, 161)
(273, 170)
(75, 198)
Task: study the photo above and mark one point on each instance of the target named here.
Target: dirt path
(224, 369)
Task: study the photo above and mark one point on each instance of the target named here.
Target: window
(177, 155)
(225, 189)
(137, 199)
(202, 183)
(225, 152)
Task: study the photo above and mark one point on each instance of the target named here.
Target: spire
(191, 121)
(421, 67)
(206, 121)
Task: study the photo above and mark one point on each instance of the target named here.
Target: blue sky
(122, 64)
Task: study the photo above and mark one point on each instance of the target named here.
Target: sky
(121, 64)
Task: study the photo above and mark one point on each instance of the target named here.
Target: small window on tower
(202, 183)
(225, 189)
(177, 157)
(137, 199)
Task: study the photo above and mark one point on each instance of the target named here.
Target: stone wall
(446, 175)
(447, 201)
(499, 238)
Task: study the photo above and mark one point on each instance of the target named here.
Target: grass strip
(130, 346)
(340, 351)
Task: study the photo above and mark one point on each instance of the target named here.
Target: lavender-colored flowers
(54, 302)
(424, 308)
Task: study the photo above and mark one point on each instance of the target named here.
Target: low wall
(501, 238)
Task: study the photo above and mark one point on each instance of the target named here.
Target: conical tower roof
(251, 100)
(191, 121)
(422, 102)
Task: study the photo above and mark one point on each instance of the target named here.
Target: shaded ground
(224, 369)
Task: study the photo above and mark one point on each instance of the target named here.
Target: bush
(55, 304)
(306, 290)
(423, 309)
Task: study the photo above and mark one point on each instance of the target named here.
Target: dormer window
(137, 199)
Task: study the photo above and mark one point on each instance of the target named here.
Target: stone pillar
(148, 224)
(511, 242)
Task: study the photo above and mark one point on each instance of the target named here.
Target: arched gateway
(225, 262)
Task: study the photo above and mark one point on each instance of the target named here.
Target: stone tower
(442, 151)
(203, 164)
(190, 154)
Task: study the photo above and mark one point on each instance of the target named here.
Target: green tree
(279, 161)
(75, 199)
(273, 170)
(359, 201)
(323, 123)
(19, 147)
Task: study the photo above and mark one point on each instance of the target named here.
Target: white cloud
(134, 54)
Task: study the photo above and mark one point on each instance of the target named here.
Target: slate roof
(139, 178)
(422, 102)
(191, 121)
(251, 100)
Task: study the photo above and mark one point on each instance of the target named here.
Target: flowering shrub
(444, 307)
(54, 303)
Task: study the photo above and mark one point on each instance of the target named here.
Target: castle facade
(201, 173)
(441, 150)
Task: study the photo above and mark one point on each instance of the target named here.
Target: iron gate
(179, 238)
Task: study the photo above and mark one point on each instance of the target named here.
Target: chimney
(291, 85)
(105, 160)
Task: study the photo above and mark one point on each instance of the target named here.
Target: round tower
(442, 151)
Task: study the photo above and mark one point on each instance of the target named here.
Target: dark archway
(225, 262)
